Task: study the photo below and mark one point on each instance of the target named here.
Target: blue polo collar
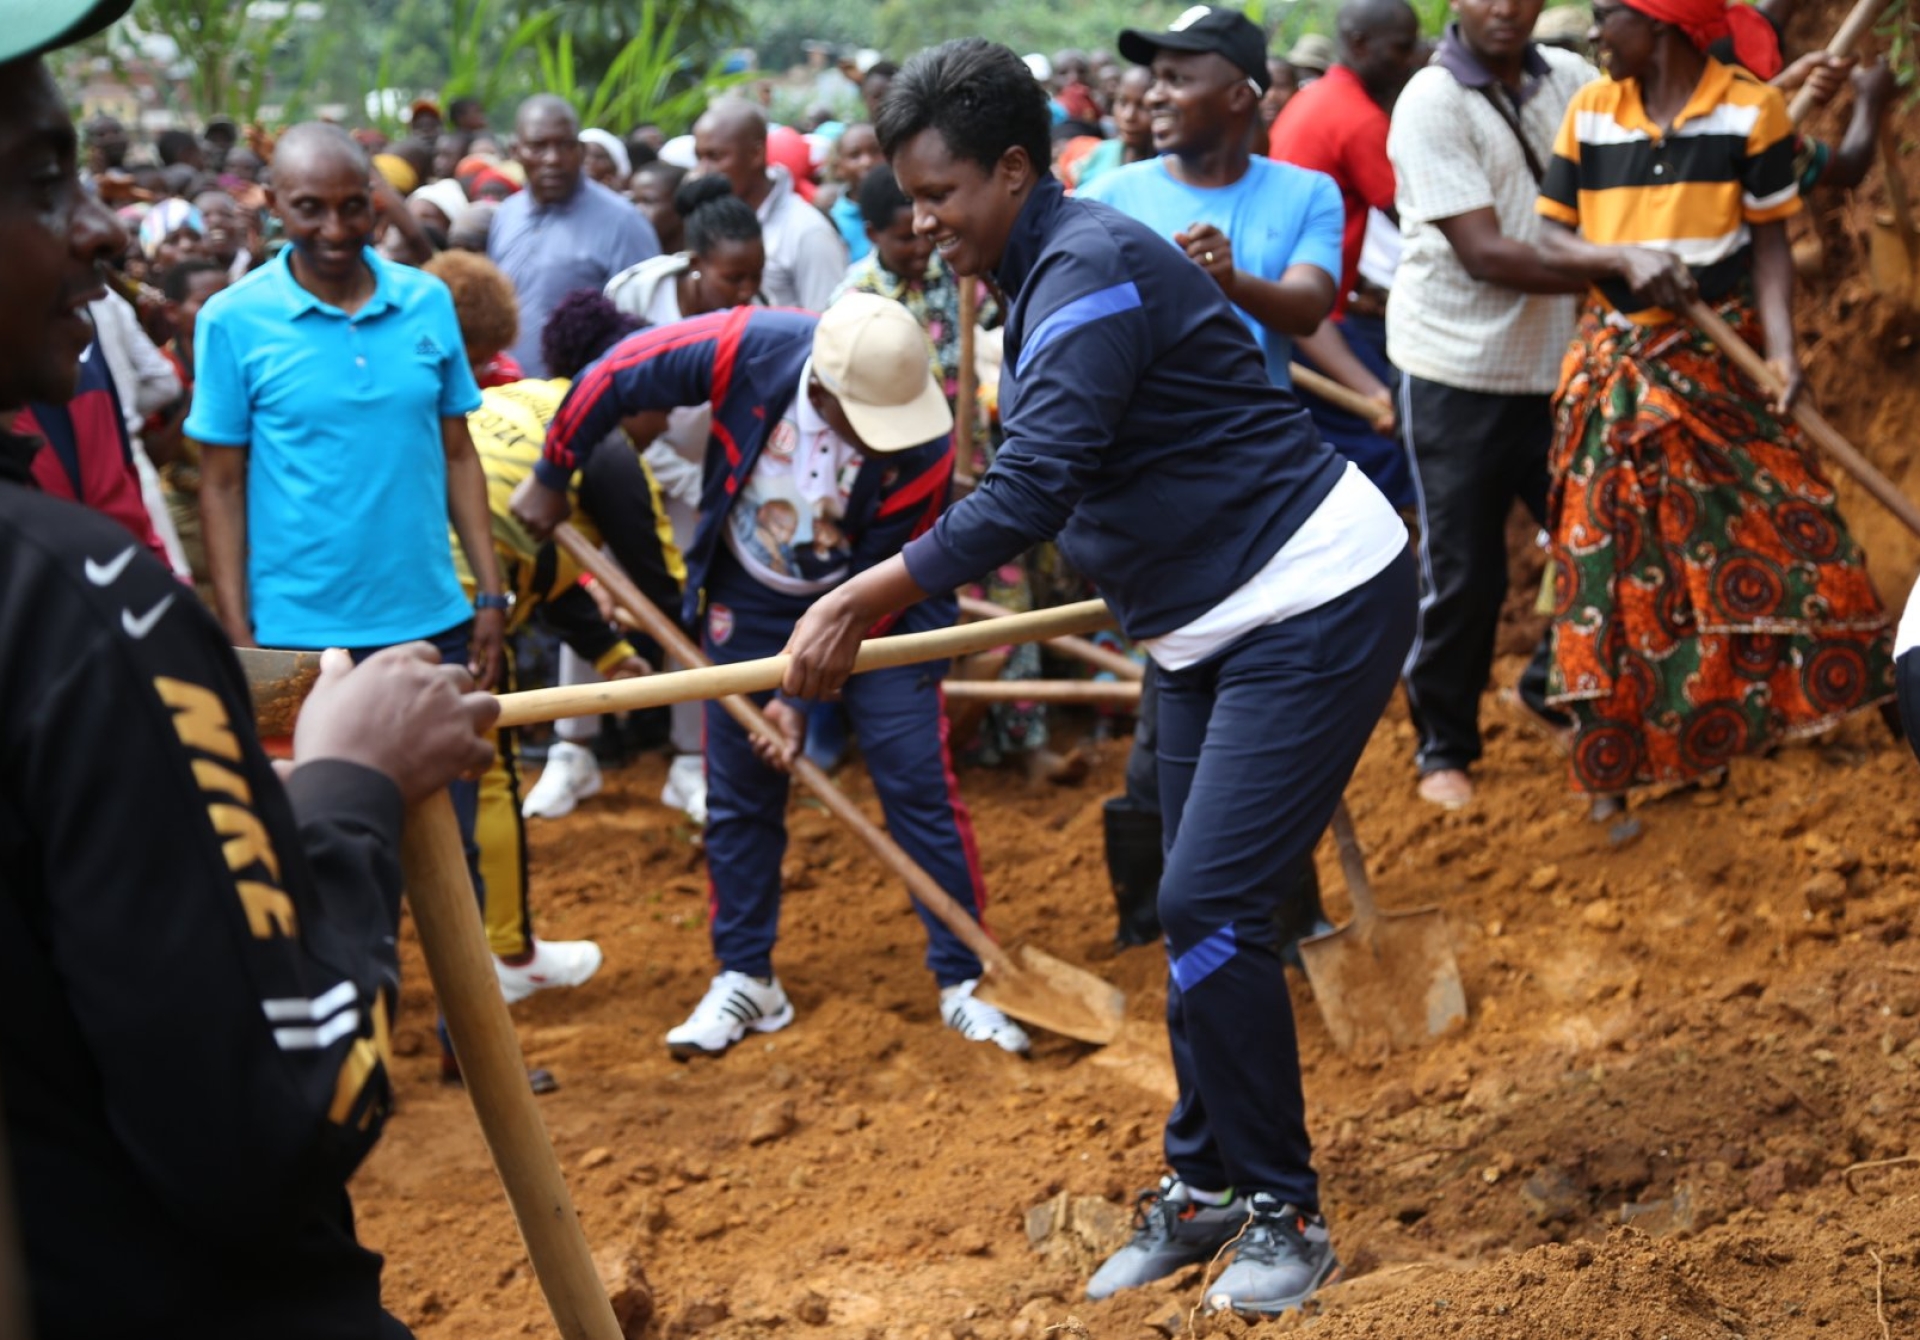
(573, 198)
(1029, 236)
(1457, 58)
(300, 301)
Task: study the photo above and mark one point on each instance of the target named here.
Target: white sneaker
(554, 963)
(734, 1004)
(686, 787)
(977, 1021)
(571, 775)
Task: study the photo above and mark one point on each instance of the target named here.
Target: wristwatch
(486, 601)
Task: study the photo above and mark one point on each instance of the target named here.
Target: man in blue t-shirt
(1268, 233)
(330, 394)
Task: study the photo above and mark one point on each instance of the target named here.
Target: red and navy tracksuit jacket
(746, 362)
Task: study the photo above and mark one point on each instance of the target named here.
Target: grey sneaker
(1171, 1232)
(1284, 1257)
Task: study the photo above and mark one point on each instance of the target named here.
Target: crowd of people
(319, 389)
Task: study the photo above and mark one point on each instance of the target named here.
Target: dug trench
(1683, 1105)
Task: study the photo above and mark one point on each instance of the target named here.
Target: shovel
(1893, 255)
(1385, 979)
(1025, 982)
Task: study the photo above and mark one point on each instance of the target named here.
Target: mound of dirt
(1637, 1288)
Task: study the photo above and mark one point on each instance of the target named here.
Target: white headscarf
(445, 196)
(615, 150)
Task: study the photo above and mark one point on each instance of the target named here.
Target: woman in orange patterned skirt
(1709, 600)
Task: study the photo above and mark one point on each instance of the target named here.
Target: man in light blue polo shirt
(331, 394)
(1267, 232)
(565, 231)
(1269, 235)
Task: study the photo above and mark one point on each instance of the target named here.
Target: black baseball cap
(35, 27)
(1224, 32)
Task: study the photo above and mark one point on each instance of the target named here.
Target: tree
(601, 30)
(223, 50)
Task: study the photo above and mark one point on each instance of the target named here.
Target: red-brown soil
(1678, 1049)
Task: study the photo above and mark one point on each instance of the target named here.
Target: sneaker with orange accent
(1284, 1256)
(1171, 1232)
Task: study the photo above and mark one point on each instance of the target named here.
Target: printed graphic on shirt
(785, 526)
(720, 624)
(200, 720)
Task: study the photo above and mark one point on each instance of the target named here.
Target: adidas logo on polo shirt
(427, 348)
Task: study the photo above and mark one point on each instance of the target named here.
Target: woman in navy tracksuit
(794, 501)
(1268, 579)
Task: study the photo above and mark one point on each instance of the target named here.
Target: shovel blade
(279, 682)
(1396, 985)
(1055, 995)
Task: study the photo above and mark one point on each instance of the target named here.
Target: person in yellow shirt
(618, 504)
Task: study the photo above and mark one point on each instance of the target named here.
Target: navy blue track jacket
(1141, 428)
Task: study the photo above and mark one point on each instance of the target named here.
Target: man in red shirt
(1338, 125)
(88, 457)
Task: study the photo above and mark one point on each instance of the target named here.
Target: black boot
(1134, 861)
(1299, 915)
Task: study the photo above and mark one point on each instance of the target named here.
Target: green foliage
(1899, 37)
(652, 78)
(900, 27)
(480, 66)
(600, 30)
(227, 49)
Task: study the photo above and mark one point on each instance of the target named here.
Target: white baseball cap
(875, 359)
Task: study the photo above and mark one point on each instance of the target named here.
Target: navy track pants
(1256, 745)
(899, 717)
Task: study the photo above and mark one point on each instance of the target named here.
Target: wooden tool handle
(1331, 391)
(674, 641)
(1079, 648)
(625, 695)
(15, 1324)
(1845, 38)
(1122, 693)
(1749, 361)
(1353, 864)
(448, 918)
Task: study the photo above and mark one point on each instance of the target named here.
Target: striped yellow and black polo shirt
(1694, 190)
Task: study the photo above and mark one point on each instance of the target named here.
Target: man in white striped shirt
(1478, 326)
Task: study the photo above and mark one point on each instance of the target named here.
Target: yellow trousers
(501, 834)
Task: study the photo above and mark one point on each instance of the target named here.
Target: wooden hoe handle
(716, 681)
(455, 944)
(1845, 38)
(1748, 360)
